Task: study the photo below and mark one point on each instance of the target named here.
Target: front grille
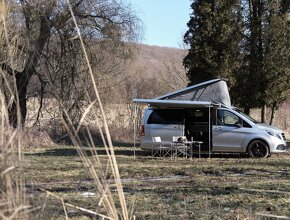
(283, 136)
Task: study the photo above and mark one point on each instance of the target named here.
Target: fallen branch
(266, 191)
(75, 207)
(272, 216)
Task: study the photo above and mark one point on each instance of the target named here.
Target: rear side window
(166, 116)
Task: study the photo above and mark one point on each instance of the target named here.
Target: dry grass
(222, 187)
(13, 201)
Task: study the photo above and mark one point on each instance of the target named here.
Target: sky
(164, 21)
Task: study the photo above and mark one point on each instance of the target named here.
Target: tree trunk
(263, 114)
(18, 110)
(273, 110)
(247, 110)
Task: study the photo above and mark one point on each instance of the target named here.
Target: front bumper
(277, 145)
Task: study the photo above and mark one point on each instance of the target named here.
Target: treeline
(245, 41)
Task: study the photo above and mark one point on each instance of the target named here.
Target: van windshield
(247, 116)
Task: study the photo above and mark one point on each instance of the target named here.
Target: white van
(203, 112)
(221, 129)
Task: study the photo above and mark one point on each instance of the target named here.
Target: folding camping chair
(159, 148)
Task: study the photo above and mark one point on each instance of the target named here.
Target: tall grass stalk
(13, 202)
(99, 174)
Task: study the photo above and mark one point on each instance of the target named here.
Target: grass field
(221, 187)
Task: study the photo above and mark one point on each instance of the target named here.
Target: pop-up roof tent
(213, 92)
(207, 94)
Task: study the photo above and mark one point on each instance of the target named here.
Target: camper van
(228, 130)
(203, 113)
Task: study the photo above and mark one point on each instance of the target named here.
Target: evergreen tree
(263, 79)
(247, 92)
(276, 55)
(213, 37)
(246, 41)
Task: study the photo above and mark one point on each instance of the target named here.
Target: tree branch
(62, 18)
(8, 69)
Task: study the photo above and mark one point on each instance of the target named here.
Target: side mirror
(238, 124)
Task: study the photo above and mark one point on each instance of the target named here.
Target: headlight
(274, 134)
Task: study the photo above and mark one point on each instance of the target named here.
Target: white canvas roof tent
(207, 94)
(215, 91)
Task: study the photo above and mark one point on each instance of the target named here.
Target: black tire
(258, 149)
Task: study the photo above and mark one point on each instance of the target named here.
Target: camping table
(192, 144)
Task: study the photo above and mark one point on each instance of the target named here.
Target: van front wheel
(258, 149)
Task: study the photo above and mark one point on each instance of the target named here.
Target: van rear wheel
(258, 149)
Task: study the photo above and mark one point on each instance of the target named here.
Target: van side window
(166, 116)
(227, 118)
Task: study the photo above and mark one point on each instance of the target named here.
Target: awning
(175, 103)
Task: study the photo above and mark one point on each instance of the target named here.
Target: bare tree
(174, 74)
(49, 49)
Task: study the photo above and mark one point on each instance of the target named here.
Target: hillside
(157, 55)
(154, 71)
